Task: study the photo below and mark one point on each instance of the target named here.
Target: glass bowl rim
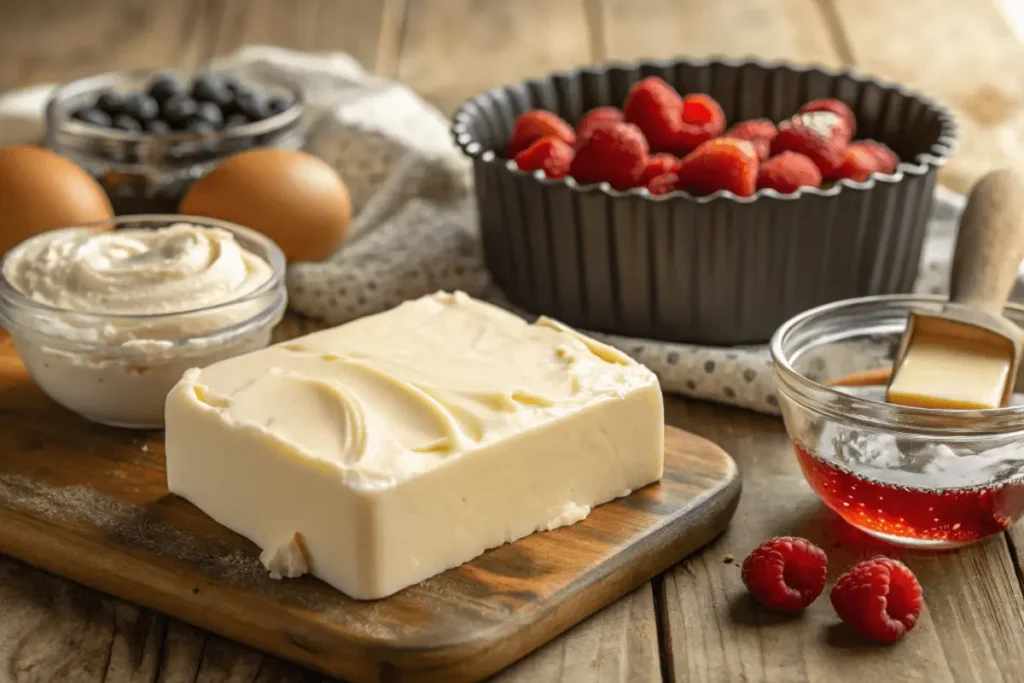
(92, 83)
(845, 407)
(9, 295)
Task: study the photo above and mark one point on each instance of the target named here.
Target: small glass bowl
(118, 369)
(149, 173)
(915, 477)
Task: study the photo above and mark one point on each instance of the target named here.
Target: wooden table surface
(695, 623)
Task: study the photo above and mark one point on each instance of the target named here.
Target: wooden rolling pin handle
(990, 244)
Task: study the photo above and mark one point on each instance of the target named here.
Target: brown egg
(293, 198)
(41, 191)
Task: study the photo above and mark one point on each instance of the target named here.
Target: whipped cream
(136, 308)
(136, 271)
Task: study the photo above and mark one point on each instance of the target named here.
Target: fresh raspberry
(614, 152)
(720, 164)
(838, 108)
(819, 135)
(785, 573)
(663, 184)
(867, 157)
(656, 109)
(536, 124)
(549, 154)
(657, 165)
(759, 131)
(594, 117)
(788, 172)
(702, 120)
(879, 598)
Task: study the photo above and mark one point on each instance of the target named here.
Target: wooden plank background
(695, 623)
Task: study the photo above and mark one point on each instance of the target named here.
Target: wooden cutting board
(90, 503)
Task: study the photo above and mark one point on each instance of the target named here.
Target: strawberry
(549, 154)
(838, 108)
(657, 165)
(613, 152)
(663, 184)
(595, 116)
(721, 164)
(821, 136)
(702, 119)
(656, 109)
(788, 172)
(537, 124)
(866, 157)
(759, 131)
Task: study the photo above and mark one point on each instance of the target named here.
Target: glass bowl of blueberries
(146, 136)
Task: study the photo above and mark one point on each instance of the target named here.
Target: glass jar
(150, 173)
(917, 477)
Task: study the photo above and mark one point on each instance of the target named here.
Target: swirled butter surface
(135, 271)
(408, 442)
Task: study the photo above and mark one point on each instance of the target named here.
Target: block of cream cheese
(384, 451)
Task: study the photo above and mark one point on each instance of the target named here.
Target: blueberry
(142, 107)
(209, 112)
(278, 105)
(200, 127)
(209, 89)
(231, 84)
(110, 102)
(254, 106)
(157, 127)
(93, 116)
(230, 108)
(125, 122)
(179, 110)
(236, 120)
(163, 87)
(242, 92)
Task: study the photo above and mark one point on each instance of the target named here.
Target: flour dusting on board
(132, 526)
(126, 525)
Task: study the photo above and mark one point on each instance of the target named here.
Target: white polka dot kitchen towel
(415, 232)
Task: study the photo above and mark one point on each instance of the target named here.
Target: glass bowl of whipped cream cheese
(917, 477)
(108, 316)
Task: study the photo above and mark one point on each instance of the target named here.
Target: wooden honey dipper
(966, 356)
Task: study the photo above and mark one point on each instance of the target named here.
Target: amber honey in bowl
(917, 477)
(945, 500)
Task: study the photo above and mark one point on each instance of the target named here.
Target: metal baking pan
(721, 269)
